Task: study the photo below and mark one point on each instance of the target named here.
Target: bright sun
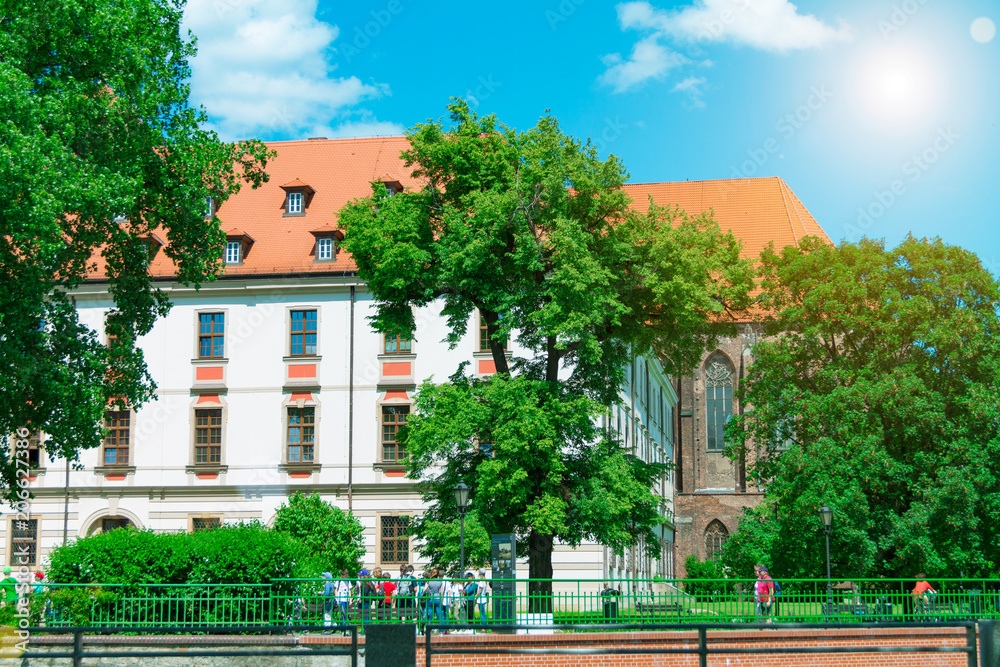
(897, 87)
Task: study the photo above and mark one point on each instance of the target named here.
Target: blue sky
(881, 115)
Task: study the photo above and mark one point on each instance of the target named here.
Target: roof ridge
(784, 200)
(381, 138)
(707, 180)
(796, 205)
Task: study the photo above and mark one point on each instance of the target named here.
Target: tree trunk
(540, 573)
(498, 350)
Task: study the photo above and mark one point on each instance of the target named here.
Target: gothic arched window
(718, 400)
(715, 537)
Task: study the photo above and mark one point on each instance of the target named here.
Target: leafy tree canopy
(534, 231)
(537, 463)
(333, 538)
(99, 150)
(881, 378)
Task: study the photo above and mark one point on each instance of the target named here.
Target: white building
(270, 381)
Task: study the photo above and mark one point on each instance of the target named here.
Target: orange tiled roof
(757, 210)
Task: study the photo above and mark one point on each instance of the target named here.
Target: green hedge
(244, 553)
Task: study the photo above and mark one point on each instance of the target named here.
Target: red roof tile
(757, 210)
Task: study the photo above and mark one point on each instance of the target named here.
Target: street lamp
(826, 514)
(462, 502)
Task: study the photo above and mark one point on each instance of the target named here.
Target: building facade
(270, 381)
(712, 491)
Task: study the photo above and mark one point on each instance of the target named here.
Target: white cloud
(361, 128)
(693, 87)
(264, 70)
(649, 60)
(766, 25)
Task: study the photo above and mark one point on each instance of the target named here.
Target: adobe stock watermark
(913, 169)
(224, 7)
(21, 556)
(787, 126)
(483, 91)
(562, 12)
(610, 133)
(900, 16)
(363, 35)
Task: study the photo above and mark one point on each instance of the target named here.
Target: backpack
(777, 587)
(405, 587)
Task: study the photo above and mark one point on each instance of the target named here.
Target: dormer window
(324, 249)
(298, 195)
(233, 252)
(238, 244)
(151, 244)
(392, 186)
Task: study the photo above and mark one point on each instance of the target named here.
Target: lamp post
(462, 502)
(826, 514)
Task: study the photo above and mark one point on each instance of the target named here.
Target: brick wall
(876, 638)
(694, 511)
(709, 485)
(733, 639)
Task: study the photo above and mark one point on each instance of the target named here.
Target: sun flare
(897, 87)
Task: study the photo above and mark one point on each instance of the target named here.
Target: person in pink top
(763, 593)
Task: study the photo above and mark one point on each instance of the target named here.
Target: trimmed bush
(244, 553)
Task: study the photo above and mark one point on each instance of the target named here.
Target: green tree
(881, 379)
(441, 543)
(100, 157)
(533, 230)
(333, 538)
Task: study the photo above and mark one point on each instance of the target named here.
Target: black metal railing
(704, 648)
(81, 650)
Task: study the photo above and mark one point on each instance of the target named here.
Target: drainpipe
(350, 412)
(66, 499)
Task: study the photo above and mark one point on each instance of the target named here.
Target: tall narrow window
(294, 204)
(208, 436)
(209, 207)
(718, 402)
(211, 335)
(393, 417)
(303, 331)
(716, 536)
(397, 345)
(234, 252)
(301, 435)
(646, 391)
(395, 535)
(117, 423)
(324, 248)
(484, 339)
(24, 542)
(35, 449)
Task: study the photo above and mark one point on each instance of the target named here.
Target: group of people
(377, 596)
(766, 594)
(10, 583)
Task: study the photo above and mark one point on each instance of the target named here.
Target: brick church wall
(710, 486)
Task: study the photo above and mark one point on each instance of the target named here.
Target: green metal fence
(143, 605)
(301, 602)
